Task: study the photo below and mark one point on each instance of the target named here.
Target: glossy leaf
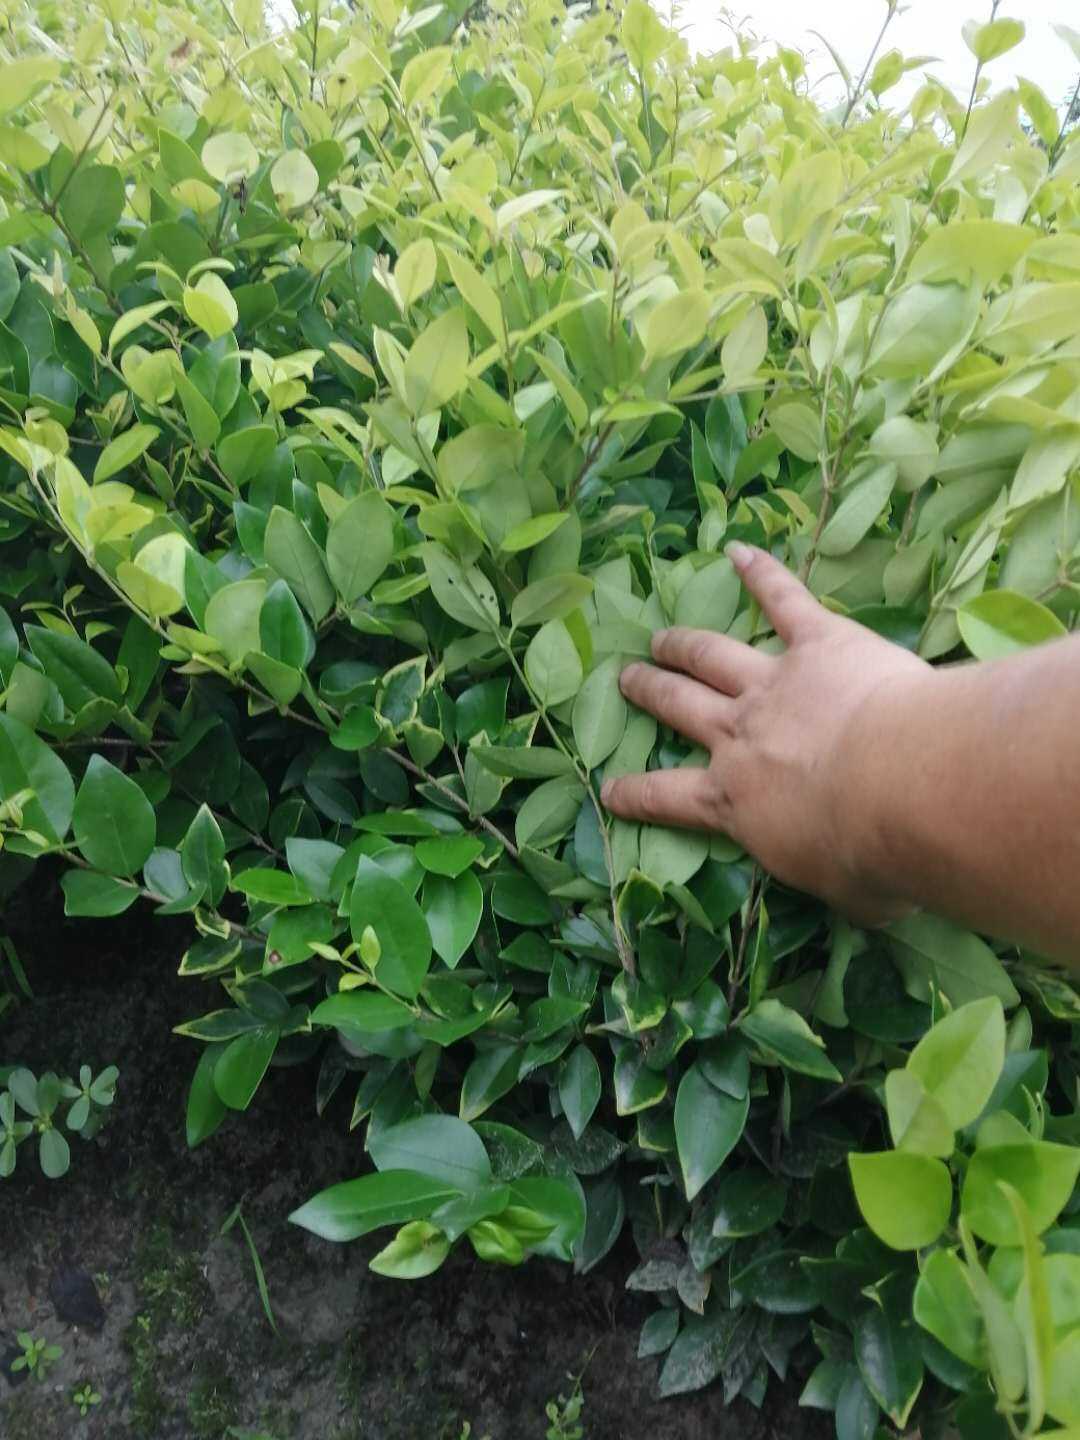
(785, 1037)
(600, 714)
(708, 1125)
(905, 1198)
(1044, 1176)
(356, 1207)
(113, 821)
(579, 1088)
(960, 1060)
(242, 1065)
(452, 907)
(1001, 622)
(386, 905)
(890, 1358)
(359, 545)
(440, 1147)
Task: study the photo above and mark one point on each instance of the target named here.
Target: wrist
(887, 742)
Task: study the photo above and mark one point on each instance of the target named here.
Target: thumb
(786, 602)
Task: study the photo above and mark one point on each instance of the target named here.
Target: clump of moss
(149, 1406)
(212, 1404)
(351, 1367)
(172, 1291)
(172, 1287)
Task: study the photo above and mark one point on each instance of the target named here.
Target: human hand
(793, 740)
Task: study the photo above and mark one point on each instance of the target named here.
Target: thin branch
(80, 157)
(856, 94)
(753, 906)
(527, 132)
(622, 940)
(444, 789)
(975, 83)
(1059, 143)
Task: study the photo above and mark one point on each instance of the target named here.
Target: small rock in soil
(74, 1294)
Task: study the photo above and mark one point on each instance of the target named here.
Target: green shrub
(372, 390)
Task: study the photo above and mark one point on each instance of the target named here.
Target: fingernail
(739, 554)
(605, 791)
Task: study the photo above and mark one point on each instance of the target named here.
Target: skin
(854, 770)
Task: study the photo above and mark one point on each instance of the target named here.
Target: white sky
(930, 27)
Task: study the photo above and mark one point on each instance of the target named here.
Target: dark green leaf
(452, 908)
(75, 668)
(93, 200)
(889, 1355)
(88, 893)
(698, 1354)
(383, 903)
(747, 1203)
(856, 1411)
(491, 1074)
(283, 632)
(205, 1107)
(114, 822)
(579, 1088)
(708, 1125)
(290, 550)
(242, 1065)
(355, 1207)
(440, 1147)
(784, 1036)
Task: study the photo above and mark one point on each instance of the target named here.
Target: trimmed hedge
(372, 390)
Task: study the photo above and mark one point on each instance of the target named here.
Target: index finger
(786, 602)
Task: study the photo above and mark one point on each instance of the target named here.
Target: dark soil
(121, 1263)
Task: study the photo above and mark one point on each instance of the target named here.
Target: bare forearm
(974, 775)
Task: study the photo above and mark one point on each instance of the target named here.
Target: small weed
(236, 1218)
(86, 1397)
(38, 1356)
(565, 1413)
